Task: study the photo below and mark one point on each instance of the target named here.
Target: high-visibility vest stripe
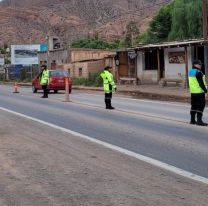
(108, 81)
(194, 86)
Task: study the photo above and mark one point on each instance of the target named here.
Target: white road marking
(146, 159)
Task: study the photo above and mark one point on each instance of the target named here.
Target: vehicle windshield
(58, 73)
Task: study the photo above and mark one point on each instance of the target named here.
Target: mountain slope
(29, 21)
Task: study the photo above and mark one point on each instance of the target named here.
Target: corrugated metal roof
(172, 44)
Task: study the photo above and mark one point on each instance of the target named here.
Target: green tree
(194, 19)
(186, 20)
(2, 50)
(179, 29)
(160, 26)
(131, 32)
(142, 38)
(7, 61)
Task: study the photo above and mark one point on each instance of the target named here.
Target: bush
(78, 81)
(2, 77)
(93, 80)
(23, 74)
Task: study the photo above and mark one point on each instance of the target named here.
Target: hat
(107, 67)
(197, 62)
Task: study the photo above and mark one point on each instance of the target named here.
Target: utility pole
(204, 23)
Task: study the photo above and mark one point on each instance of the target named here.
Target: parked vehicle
(57, 79)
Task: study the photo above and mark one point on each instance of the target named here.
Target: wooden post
(158, 66)
(135, 64)
(197, 52)
(128, 64)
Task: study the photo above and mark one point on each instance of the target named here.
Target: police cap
(197, 62)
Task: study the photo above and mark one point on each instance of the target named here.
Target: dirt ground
(41, 166)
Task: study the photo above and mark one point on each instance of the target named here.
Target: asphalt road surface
(46, 158)
(158, 130)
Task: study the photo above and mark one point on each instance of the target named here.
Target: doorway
(161, 64)
(199, 54)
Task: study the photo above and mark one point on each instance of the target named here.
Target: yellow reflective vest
(108, 82)
(44, 77)
(194, 86)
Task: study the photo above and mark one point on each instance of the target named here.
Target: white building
(169, 60)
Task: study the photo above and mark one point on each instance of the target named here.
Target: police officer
(198, 88)
(109, 86)
(44, 80)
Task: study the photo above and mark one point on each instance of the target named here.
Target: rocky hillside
(29, 21)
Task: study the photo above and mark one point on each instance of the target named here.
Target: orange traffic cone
(16, 88)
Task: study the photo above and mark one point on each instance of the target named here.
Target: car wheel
(55, 91)
(34, 90)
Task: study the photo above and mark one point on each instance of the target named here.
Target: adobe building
(53, 57)
(167, 61)
(83, 69)
(79, 62)
(86, 61)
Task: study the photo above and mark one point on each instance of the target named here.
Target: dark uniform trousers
(45, 90)
(108, 97)
(198, 103)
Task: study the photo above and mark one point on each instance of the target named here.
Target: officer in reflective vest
(198, 88)
(44, 80)
(109, 86)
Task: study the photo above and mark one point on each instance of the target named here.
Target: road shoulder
(44, 166)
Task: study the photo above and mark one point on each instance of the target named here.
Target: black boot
(43, 95)
(46, 94)
(193, 114)
(106, 104)
(199, 120)
(110, 106)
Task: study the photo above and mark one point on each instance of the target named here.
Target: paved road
(155, 129)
